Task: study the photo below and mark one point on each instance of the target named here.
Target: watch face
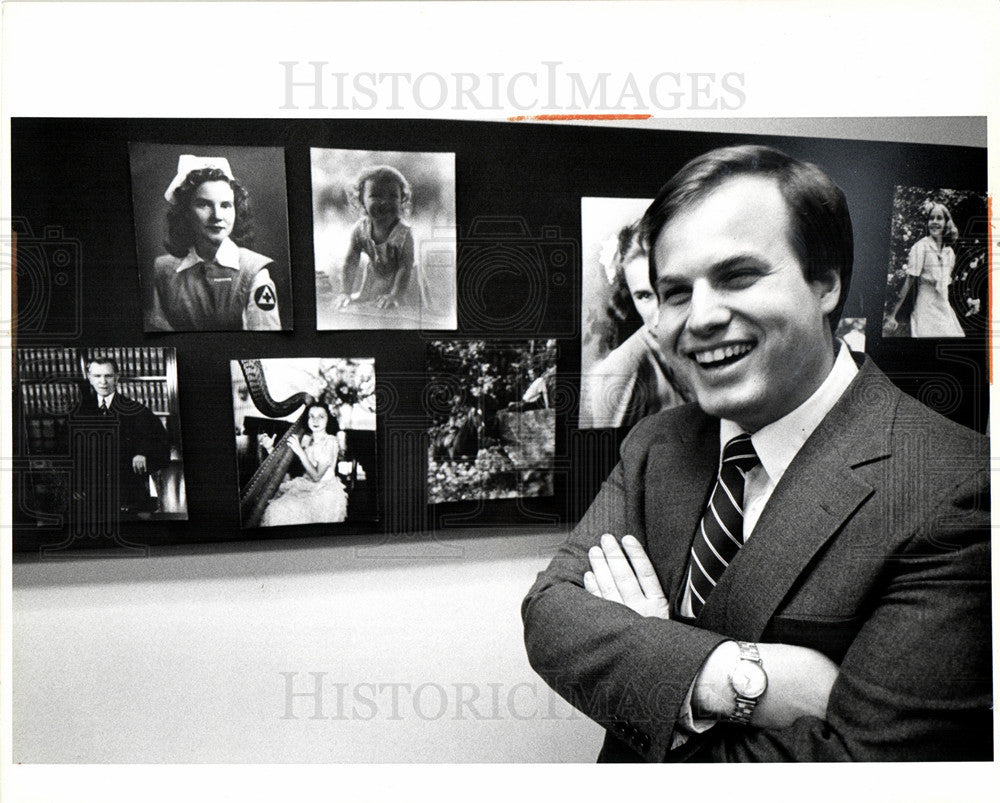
(749, 679)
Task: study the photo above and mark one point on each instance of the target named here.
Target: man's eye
(676, 296)
(642, 295)
(741, 278)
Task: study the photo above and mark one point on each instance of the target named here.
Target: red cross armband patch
(264, 298)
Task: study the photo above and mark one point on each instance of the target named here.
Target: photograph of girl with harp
(305, 440)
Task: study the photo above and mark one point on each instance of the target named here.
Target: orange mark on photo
(550, 118)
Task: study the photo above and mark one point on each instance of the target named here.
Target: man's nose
(707, 310)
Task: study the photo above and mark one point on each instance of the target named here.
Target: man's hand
(631, 581)
(139, 464)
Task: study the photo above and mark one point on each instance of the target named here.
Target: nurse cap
(186, 163)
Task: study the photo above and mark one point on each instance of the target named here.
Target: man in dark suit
(118, 444)
(804, 570)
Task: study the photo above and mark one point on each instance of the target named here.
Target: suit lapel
(816, 495)
(680, 474)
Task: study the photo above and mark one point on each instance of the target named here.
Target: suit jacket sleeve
(915, 658)
(143, 433)
(629, 673)
(915, 681)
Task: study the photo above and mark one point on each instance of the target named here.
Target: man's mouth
(722, 356)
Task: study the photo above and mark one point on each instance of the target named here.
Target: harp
(258, 491)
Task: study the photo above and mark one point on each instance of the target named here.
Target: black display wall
(518, 191)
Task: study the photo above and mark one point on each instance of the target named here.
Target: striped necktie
(104, 407)
(720, 533)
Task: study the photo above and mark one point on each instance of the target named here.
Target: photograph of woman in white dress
(305, 440)
(318, 495)
(624, 374)
(935, 271)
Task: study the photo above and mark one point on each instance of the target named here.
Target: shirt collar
(228, 256)
(106, 400)
(779, 442)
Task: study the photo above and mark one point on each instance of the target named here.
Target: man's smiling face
(738, 320)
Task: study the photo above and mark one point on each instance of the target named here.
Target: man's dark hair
(103, 361)
(821, 233)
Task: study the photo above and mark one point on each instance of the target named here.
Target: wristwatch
(749, 681)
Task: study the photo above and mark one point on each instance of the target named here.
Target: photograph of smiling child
(226, 261)
(384, 239)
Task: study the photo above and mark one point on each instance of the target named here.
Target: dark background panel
(518, 190)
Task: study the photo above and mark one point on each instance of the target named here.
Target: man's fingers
(602, 574)
(629, 580)
(644, 571)
(621, 571)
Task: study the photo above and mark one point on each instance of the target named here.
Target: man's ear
(827, 290)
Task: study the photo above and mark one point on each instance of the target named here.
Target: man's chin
(730, 407)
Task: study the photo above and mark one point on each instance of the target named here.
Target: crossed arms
(910, 679)
(799, 678)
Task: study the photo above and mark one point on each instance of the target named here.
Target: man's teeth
(720, 354)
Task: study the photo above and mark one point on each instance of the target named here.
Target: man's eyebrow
(743, 260)
(671, 281)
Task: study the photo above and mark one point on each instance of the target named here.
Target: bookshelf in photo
(53, 379)
(52, 384)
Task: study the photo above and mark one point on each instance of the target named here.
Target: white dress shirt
(779, 442)
(776, 445)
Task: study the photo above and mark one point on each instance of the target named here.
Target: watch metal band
(743, 711)
(745, 706)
